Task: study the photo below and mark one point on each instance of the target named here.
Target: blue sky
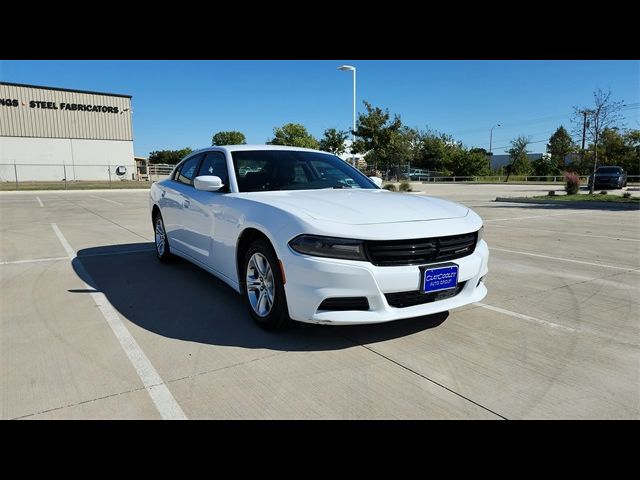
(182, 103)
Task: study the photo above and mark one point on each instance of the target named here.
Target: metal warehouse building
(52, 134)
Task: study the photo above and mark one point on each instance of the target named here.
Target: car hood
(360, 206)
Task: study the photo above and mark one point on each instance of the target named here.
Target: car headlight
(480, 234)
(329, 247)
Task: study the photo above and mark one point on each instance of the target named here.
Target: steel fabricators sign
(76, 107)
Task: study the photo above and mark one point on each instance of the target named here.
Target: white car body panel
(205, 228)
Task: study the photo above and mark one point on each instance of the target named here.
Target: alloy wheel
(260, 284)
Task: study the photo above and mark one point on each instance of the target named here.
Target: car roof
(262, 147)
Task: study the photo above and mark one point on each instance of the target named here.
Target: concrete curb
(574, 204)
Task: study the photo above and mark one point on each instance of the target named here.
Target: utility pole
(584, 129)
(596, 118)
(584, 132)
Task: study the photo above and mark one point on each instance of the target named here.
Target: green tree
(401, 146)
(613, 148)
(469, 163)
(232, 137)
(620, 149)
(433, 151)
(294, 135)
(519, 160)
(168, 156)
(631, 161)
(560, 145)
(333, 141)
(546, 165)
(378, 135)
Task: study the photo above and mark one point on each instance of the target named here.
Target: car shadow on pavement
(180, 300)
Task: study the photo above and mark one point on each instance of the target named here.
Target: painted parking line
(108, 200)
(525, 317)
(155, 386)
(604, 265)
(33, 260)
(569, 233)
(40, 201)
(535, 216)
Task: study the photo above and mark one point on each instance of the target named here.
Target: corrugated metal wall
(25, 121)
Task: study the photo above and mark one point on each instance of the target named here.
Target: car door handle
(186, 204)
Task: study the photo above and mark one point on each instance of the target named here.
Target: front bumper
(310, 280)
(608, 182)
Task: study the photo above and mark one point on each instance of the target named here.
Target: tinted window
(264, 170)
(187, 172)
(215, 163)
(609, 170)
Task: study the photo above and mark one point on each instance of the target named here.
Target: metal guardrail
(514, 179)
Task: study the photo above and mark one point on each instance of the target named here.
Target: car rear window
(609, 170)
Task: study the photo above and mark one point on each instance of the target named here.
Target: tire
(163, 252)
(263, 288)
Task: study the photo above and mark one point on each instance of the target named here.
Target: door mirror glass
(377, 181)
(208, 183)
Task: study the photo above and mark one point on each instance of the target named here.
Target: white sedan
(302, 235)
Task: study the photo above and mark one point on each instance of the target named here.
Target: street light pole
(491, 142)
(353, 134)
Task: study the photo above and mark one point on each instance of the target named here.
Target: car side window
(215, 163)
(187, 172)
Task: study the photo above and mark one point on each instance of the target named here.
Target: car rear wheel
(163, 251)
(264, 287)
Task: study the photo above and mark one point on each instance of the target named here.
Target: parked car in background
(609, 177)
(303, 235)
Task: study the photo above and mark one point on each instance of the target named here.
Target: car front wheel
(264, 287)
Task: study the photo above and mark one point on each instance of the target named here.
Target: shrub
(603, 192)
(571, 183)
(552, 193)
(390, 186)
(626, 195)
(405, 187)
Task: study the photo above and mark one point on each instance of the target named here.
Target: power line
(633, 106)
(626, 107)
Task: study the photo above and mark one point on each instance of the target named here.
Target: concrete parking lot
(93, 326)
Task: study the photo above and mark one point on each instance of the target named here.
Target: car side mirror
(377, 181)
(208, 183)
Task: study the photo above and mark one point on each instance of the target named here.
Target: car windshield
(267, 170)
(609, 170)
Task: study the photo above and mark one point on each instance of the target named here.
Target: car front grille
(420, 250)
(416, 297)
